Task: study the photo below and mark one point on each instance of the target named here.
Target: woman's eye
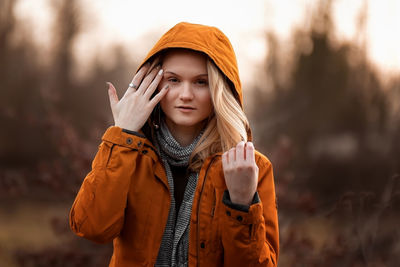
(173, 80)
(202, 82)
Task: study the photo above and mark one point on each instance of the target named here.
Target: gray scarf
(175, 241)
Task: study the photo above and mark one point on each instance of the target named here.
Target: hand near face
(134, 108)
(241, 172)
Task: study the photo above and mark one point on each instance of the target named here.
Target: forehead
(184, 58)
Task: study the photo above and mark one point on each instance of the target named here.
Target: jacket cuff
(253, 215)
(119, 136)
(133, 133)
(226, 199)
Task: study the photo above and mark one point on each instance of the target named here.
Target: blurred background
(322, 91)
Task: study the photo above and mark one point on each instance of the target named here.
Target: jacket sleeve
(252, 238)
(98, 210)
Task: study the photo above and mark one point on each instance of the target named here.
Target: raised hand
(241, 173)
(134, 108)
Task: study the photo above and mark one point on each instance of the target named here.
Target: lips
(185, 107)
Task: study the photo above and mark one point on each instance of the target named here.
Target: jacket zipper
(198, 210)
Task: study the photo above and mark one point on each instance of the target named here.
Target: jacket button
(202, 245)
(129, 140)
(228, 213)
(144, 152)
(239, 218)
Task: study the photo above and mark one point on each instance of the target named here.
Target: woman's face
(188, 101)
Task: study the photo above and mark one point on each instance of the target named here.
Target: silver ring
(134, 86)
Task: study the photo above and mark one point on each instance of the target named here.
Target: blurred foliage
(328, 124)
(52, 119)
(333, 118)
(331, 129)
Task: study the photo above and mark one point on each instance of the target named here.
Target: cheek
(206, 102)
(167, 100)
(164, 101)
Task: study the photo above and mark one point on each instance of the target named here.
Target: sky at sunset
(138, 24)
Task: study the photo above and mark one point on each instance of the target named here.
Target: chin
(187, 122)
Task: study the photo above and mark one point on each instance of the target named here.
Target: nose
(186, 92)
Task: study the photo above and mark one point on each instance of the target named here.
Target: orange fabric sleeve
(252, 238)
(98, 210)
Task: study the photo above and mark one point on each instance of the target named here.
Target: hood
(206, 39)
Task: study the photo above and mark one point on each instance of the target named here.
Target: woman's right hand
(134, 108)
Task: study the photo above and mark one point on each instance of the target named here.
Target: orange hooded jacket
(125, 198)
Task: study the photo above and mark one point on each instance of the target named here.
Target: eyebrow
(173, 73)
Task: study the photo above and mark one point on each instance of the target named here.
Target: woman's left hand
(241, 173)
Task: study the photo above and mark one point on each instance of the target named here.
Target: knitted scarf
(175, 241)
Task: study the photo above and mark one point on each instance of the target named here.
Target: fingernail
(160, 72)
(108, 84)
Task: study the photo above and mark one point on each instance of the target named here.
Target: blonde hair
(226, 126)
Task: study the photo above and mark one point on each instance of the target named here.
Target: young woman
(177, 181)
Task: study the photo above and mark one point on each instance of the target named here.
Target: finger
(147, 80)
(137, 79)
(225, 160)
(240, 155)
(154, 84)
(250, 152)
(112, 94)
(157, 98)
(232, 155)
